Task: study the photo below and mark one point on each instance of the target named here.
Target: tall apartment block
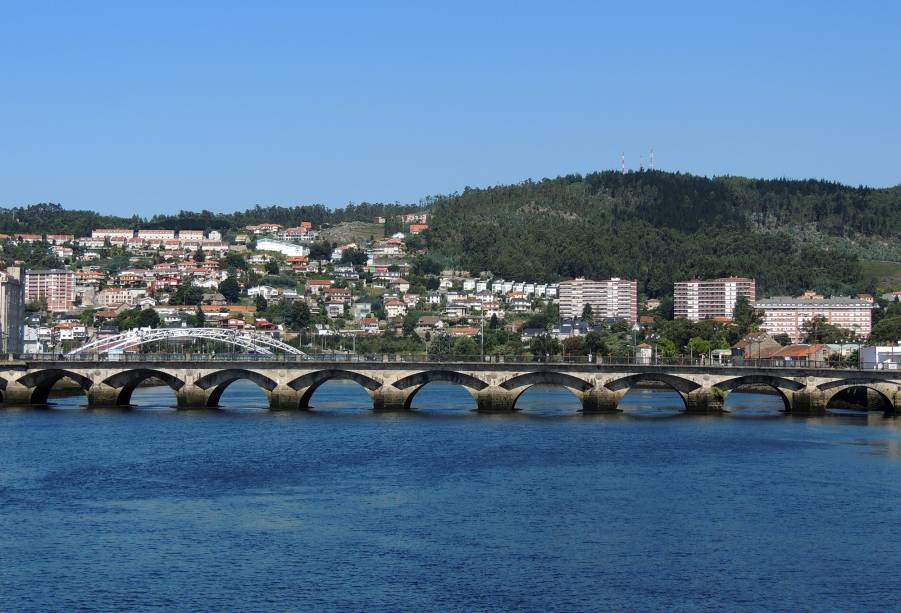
(610, 299)
(12, 310)
(784, 315)
(56, 286)
(707, 298)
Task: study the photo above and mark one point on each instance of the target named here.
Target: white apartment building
(158, 234)
(190, 235)
(785, 315)
(119, 234)
(609, 299)
(283, 247)
(699, 299)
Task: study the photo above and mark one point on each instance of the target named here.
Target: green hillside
(659, 227)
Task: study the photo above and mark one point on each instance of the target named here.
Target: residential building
(12, 310)
(609, 299)
(785, 315)
(699, 299)
(157, 234)
(56, 286)
(192, 235)
(395, 307)
(283, 247)
(120, 234)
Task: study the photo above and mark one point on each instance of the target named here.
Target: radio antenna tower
(651, 159)
(622, 163)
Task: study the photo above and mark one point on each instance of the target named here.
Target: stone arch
(310, 382)
(128, 380)
(520, 384)
(783, 386)
(886, 390)
(41, 382)
(432, 376)
(546, 377)
(680, 385)
(221, 379)
(419, 380)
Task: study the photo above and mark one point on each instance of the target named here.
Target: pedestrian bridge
(290, 383)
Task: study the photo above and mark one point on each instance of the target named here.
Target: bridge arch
(308, 384)
(784, 387)
(546, 377)
(219, 380)
(41, 382)
(520, 384)
(680, 385)
(128, 380)
(886, 391)
(419, 380)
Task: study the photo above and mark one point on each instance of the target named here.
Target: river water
(446, 509)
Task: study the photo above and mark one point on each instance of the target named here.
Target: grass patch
(886, 276)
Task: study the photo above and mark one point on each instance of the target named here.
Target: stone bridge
(393, 385)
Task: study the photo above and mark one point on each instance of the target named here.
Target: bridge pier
(389, 398)
(284, 398)
(494, 399)
(103, 395)
(16, 394)
(704, 401)
(600, 400)
(808, 402)
(192, 397)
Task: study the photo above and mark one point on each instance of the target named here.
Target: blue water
(446, 509)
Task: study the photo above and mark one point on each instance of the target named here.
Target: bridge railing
(349, 357)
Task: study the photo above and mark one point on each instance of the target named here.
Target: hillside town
(384, 294)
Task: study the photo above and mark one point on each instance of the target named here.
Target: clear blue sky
(126, 107)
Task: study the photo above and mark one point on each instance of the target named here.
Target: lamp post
(635, 329)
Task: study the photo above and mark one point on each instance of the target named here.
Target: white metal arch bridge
(251, 341)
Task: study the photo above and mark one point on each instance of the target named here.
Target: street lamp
(635, 329)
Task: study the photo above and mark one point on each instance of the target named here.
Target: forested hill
(659, 227)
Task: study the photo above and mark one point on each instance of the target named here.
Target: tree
(186, 293)
(666, 348)
(588, 313)
(272, 267)
(234, 260)
(493, 323)
(320, 251)
(198, 319)
(544, 345)
(887, 331)
(298, 315)
(594, 344)
(698, 346)
(260, 303)
(745, 317)
(465, 346)
(356, 257)
(199, 256)
(782, 338)
(574, 346)
(230, 289)
(818, 330)
(440, 345)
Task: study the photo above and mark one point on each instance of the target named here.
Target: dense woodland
(659, 227)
